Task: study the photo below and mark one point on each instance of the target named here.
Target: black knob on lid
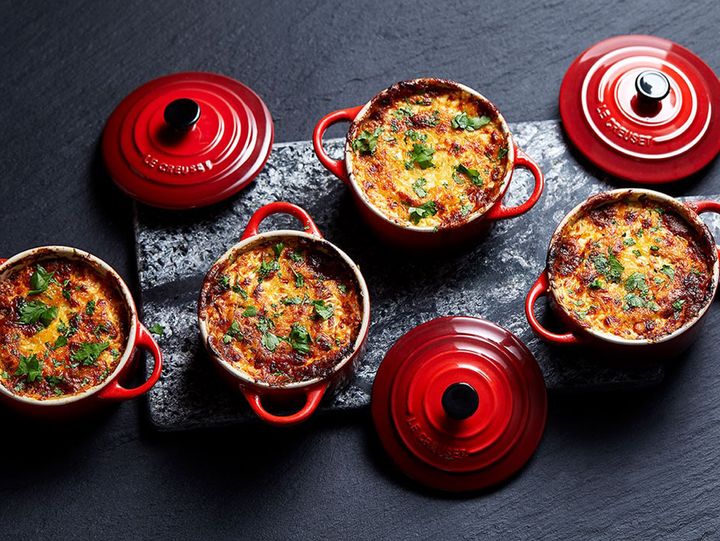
(652, 86)
(460, 401)
(182, 114)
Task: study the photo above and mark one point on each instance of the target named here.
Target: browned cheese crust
(282, 312)
(63, 329)
(429, 155)
(633, 268)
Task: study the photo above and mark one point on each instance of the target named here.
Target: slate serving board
(489, 279)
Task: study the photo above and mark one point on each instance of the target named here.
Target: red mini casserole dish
(134, 334)
(630, 270)
(284, 316)
(428, 162)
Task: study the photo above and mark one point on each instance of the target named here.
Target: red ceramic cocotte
(418, 236)
(311, 392)
(138, 338)
(576, 334)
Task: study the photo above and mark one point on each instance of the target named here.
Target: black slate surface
(488, 278)
(640, 465)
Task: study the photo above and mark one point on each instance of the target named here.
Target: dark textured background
(640, 465)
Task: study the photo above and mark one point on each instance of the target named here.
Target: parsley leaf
(609, 266)
(267, 268)
(224, 282)
(629, 241)
(597, 284)
(88, 352)
(30, 367)
(502, 153)
(677, 305)
(270, 341)
(469, 123)
(299, 339)
(423, 211)
(323, 310)
(415, 136)
(278, 248)
(40, 280)
(421, 155)
(466, 208)
(233, 332)
(636, 281)
(634, 301)
(292, 300)
(472, 174)
(90, 308)
(37, 311)
(299, 279)
(366, 142)
(157, 329)
(419, 187)
(297, 257)
(667, 269)
(249, 311)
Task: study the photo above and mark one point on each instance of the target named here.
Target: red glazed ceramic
(642, 108)
(459, 404)
(310, 392)
(419, 236)
(138, 338)
(665, 346)
(187, 140)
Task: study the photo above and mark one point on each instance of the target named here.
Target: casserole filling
(282, 311)
(63, 329)
(632, 268)
(430, 156)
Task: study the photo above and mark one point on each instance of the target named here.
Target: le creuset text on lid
(459, 404)
(187, 140)
(642, 108)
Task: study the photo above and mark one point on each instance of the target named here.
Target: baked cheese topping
(282, 312)
(632, 268)
(429, 156)
(63, 329)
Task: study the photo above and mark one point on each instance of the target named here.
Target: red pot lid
(459, 403)
(642, 108)
(187, 140)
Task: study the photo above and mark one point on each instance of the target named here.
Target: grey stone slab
(488, 279)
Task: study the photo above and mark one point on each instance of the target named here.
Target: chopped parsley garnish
(40, 280)
(636, 253)
(421, 155)
(233, 333)
(157, 329)
(677, 305)
(629, 241)
(30, 367)
(342, 288)
(278, 248)
(634, 301)
(270, 341)
(224, 282)
(90, 308)
(472, 174)
(655, 248)
(366, 142)
(415, 136)
(469, 123)
(88, 352)
(419, 187)
(296, 257)
(249, 311)
(609, 266)
(267, 268)
(597, 284)
(502, 153)
(667, 269)
(636, 281)
(292, 300)
(36, 311)
(325, 311)
(61, 341)
(423, 211)
(264, 324)
(465, 209)
(299, 339)
(240, 291)
(402, 111)
(299, 279)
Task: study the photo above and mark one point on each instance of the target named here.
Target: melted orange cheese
(409, 151)
(282, 311)
(76, 341)
(634, 269)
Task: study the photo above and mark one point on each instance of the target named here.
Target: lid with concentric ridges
(187, 140)
(459, 403)
(642, 108)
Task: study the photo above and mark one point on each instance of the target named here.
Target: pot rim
(438, 82)
(683, 210)
(41, 253)
(327, 245)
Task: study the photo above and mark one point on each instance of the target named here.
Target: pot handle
(279, 207)
(540, 289)
(501, 212)
(115, 391)
(336, 167)
(707, 206)
(312, 401)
